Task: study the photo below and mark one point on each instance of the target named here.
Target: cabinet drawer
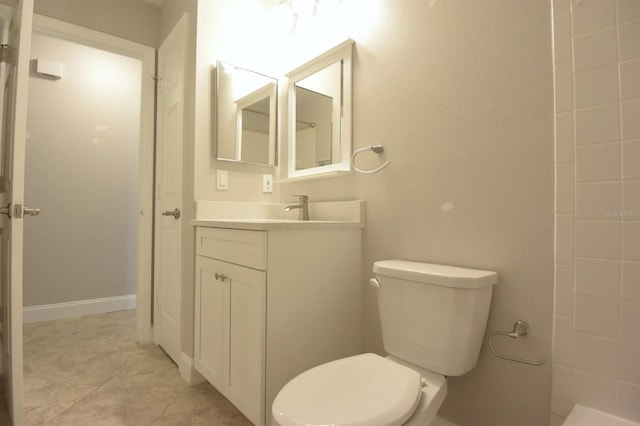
(246, 248)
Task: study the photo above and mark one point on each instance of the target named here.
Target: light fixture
(301, 10)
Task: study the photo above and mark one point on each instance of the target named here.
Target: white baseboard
(438, 421)
(188, 371)
(77, 309)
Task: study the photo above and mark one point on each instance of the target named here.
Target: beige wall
(461, 96)
(82, 171)
(596, 355)
(132, 20)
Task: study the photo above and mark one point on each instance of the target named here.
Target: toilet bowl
(433, 318)
(362, 390)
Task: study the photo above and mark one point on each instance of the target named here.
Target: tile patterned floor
(91, 371)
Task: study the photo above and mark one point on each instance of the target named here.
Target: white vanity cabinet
(230, 315)
(271, 303)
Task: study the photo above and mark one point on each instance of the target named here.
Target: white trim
(147, 56)
(439, 421)
(188, 370)
(79, 308)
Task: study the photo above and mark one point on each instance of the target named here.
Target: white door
(168, 250)
(15, 78)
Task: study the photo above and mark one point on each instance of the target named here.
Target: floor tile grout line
(147, 370)
(48, 421)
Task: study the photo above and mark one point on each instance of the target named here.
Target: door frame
(147, 57)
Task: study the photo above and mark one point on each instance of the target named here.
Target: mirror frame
(342, 52)
(268, 90)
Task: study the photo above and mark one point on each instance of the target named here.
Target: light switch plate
(267, 183)
(222, 180)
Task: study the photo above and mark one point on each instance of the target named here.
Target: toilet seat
(361, 390)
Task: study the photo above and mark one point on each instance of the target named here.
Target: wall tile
(595, 354)
(563, 301)
(564, 138)
(598, 255)
(564, 239)
(631, 119)
(596, 315)
(598, 277)
(589, 16)
(599, 124)
(562, 38)
(593, 390)
(562, 340)
(599, 239)
(631, 282)
(628, 365)
(627, 403)
(631, 200)
(565, 188)
(628, 10)
(631, 159)
(629, 40)
(631, 240)
(561, 404)
(598, 162)
(595, 50)
(630, 78)
(598, 200)
(564, 87)
(596, 87)
(629, 329)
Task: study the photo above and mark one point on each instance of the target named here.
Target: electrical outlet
(267, 183)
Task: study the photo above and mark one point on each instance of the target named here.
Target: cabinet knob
(221, 277)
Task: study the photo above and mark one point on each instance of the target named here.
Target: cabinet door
(210, 320)
(245, 375)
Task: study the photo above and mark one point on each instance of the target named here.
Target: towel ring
(377, 149)
(520, 329)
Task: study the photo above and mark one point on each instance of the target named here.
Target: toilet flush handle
(373, 282)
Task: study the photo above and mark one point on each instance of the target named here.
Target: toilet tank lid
(430, 273)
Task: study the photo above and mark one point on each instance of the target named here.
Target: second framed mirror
(319, 115)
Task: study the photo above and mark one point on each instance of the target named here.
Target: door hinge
(7, 54)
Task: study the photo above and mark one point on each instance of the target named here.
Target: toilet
(433, 319)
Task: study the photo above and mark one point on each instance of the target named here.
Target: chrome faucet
(303, 206)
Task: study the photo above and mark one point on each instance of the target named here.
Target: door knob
(18, 211)
(175, 213)
(6, 210)
(31, 212)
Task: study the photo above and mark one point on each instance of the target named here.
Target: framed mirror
(246, 105)
(319, 115)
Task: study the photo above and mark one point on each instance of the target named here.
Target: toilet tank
(433, 316)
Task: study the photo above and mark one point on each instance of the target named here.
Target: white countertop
(274, 224)
(268, 216)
